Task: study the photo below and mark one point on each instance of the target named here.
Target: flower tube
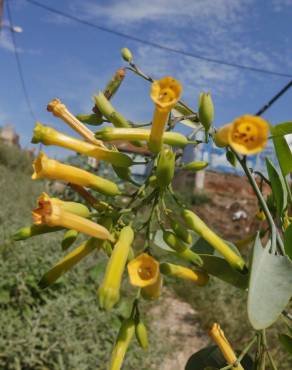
(165, 93)
(201, 278)
(126, 333)
(112, 133)
(60, 110)
(51, 213)
(217, 334)
(109, 290)
(246, 134)
(69, 261)
(195, 223)
(52, 169)
(49, 136)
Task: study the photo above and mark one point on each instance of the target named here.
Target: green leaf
(231, 158)
(270, 286)
(278, 187)
(220, 268)
(284, 154)
(282, 129)
(211, 358)
(288, 241)
(286, 342)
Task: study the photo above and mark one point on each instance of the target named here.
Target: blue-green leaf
(284, 154)
(278, 187)
(282, 129)
(270, 286)
(220, 268)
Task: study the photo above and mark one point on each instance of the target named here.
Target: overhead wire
(18, 63)
(156, 45)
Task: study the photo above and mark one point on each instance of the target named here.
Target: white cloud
(6, 42)
(280, 5)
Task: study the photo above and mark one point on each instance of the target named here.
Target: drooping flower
(109, 290)
(246, 134)
(217, 334)
(45, 167)
(52, 213)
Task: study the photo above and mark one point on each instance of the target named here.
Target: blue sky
(64, 59)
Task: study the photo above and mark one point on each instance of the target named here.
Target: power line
(18, 63)
(155, 45)
(274, 98)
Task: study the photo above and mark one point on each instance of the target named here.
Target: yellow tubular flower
(217, 334)
(69, 261)
(49, 136)
(246, 134)
(52, 169)
(60, 110)
(199, 277)
(165, 93)
(109, 290)
(50, 213)
(143, 270)
(124, 338)
(195, 223)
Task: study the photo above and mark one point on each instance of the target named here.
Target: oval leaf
(270, 286)
(278, 187)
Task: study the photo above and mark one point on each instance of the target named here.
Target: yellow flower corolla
(246, 134)
(52, 213)
(49, 136)
(201, 278)
(217, 334)
(60, 110)
(165, 93)
(69, 261)
(45, 167)
(143, 270)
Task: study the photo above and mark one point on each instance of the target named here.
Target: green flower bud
(152, 181)
(195, 165)
(141, 334)
(180, 231)
(165, 167)
(69, 238)
(206, 110)
(196, 224)
(181, 249)
(33, 230)
(115, 82)
(126, 55)
(91, 119)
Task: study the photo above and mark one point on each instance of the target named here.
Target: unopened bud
(126, 55)
(195, 165)
(141, 334)
(165, 167)
(206, 110)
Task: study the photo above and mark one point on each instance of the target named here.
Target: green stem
(274, 367)
(275, 235)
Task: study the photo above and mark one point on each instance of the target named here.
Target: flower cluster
(112, 226)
